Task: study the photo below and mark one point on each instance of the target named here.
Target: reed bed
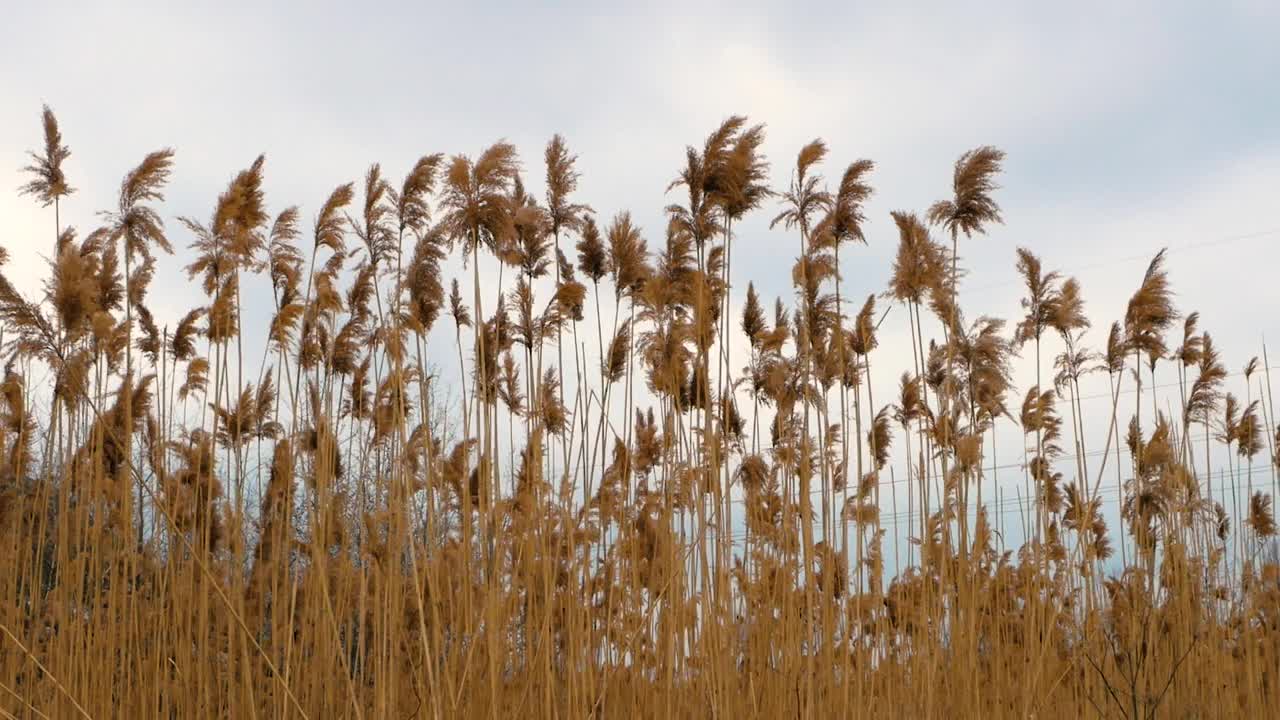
(639, 528)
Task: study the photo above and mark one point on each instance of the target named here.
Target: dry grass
(190, 533)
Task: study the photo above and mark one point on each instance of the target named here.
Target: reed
(186, 534)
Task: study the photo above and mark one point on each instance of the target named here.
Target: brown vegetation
(186, 534)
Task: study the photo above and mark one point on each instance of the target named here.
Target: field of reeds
(601, 513)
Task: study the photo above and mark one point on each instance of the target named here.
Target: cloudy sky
(1128, 126)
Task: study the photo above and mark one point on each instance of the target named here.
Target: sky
(1129, 127)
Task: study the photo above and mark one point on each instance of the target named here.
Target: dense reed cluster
(644, 528)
